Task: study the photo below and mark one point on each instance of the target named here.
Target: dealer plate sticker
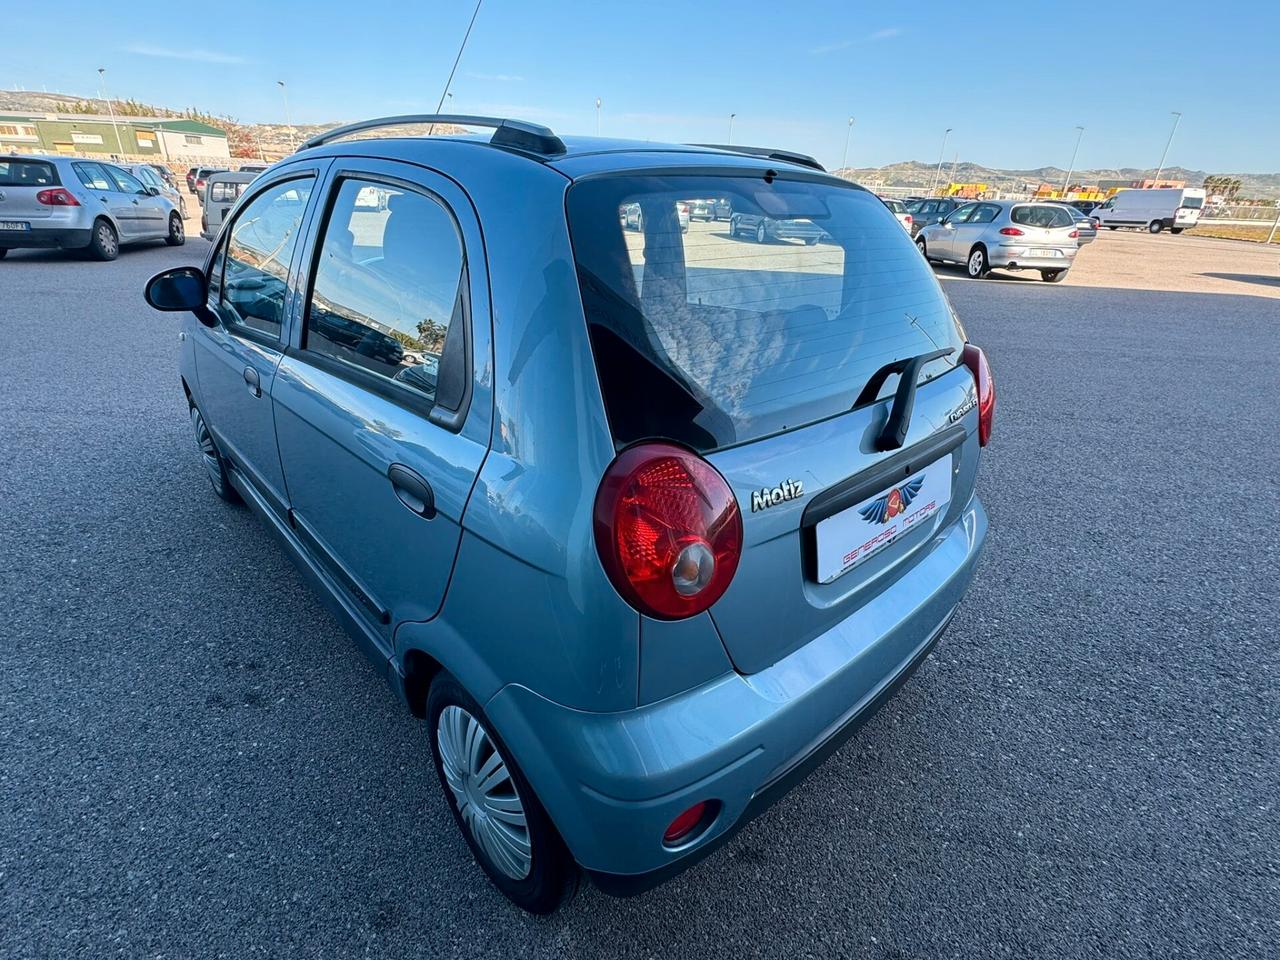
(858, 533)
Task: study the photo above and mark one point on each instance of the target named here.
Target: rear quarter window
(27, 173)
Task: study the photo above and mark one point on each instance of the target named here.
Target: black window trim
(280, 341)
(403, 396)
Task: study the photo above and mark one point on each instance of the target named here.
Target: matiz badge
(786, 490)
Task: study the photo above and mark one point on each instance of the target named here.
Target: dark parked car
(1087, 226)
(930, 210)
(766, 229)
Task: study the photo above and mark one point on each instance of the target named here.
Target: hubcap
(484, 792)
(175, 227)
(107, 238)
(204, 443)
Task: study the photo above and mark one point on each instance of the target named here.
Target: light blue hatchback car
(643, 522)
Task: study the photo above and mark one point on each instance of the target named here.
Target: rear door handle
(413, 490)
(253, 381)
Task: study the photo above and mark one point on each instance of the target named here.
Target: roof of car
(572, 156)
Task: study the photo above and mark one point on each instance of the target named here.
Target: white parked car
(1168, 208)
(899, 210)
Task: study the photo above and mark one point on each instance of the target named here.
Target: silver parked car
(1004, 234)
(70, 204)
(151, 178)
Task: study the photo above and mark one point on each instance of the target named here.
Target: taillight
(976, 361)
(908, 218)
(1074, 234)
(668, 530)
(1011, 231)
(57, 197)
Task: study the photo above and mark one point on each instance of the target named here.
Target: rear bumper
(613, 782)
(1017, 258)
(45, 238)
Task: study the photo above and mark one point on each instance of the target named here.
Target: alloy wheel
(977, 263)
(484, 791)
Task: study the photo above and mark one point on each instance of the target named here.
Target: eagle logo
(883, 509)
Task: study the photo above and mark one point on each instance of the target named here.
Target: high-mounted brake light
(976, 361)
(57, 197)
(668, 530)
(1010, 231)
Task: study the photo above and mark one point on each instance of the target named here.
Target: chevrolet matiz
(643, 523)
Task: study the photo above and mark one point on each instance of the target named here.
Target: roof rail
(517, 134)
(768, 153)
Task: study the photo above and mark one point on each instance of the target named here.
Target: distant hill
(919, 173)
(275, 140)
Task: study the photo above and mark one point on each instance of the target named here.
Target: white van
(1174, 209)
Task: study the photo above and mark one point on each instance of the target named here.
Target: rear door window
(125, 182)
(712, 339)
(93, 176)
(27, 173)
(986, 213)
(388, 290)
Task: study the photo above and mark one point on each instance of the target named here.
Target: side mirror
(152, 191)
(181, 289)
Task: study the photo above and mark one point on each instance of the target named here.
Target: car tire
(177, 235)
(762, 235)
(104, 242)
(1053, 276)
(214, 464)
(733, 227)
(1155, 226)
(548, 876)
(978, 266)
(922, 247)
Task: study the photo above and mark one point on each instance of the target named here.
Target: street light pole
(941, 153)
(844, 162)
(1177, 119)
(1066, 184)
(284, 92)
(597, 116)
(731, 116)
(102, 80)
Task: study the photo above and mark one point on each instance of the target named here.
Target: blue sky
(1013, 86)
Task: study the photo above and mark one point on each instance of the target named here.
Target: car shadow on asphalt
(1246, 278)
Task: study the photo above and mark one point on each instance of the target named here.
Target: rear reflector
(685, 824)
(976, 361)
(57, 197)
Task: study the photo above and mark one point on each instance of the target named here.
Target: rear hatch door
(20, 181)
(758, 357)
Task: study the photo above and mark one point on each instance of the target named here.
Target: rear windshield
(1041, 216)
(897, 206)
(1195, 203)
(27, 173)
(714, 333)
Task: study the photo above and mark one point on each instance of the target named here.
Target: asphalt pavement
(196, 762)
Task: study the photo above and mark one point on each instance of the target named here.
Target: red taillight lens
(976, 361)
(668, 530)
(1074, 234)
(685, 824)
(1011, 231)
(57, 197)
(908, 218)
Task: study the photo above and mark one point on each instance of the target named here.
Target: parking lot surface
(196, 762)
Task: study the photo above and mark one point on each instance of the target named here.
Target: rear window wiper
(894, 432)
